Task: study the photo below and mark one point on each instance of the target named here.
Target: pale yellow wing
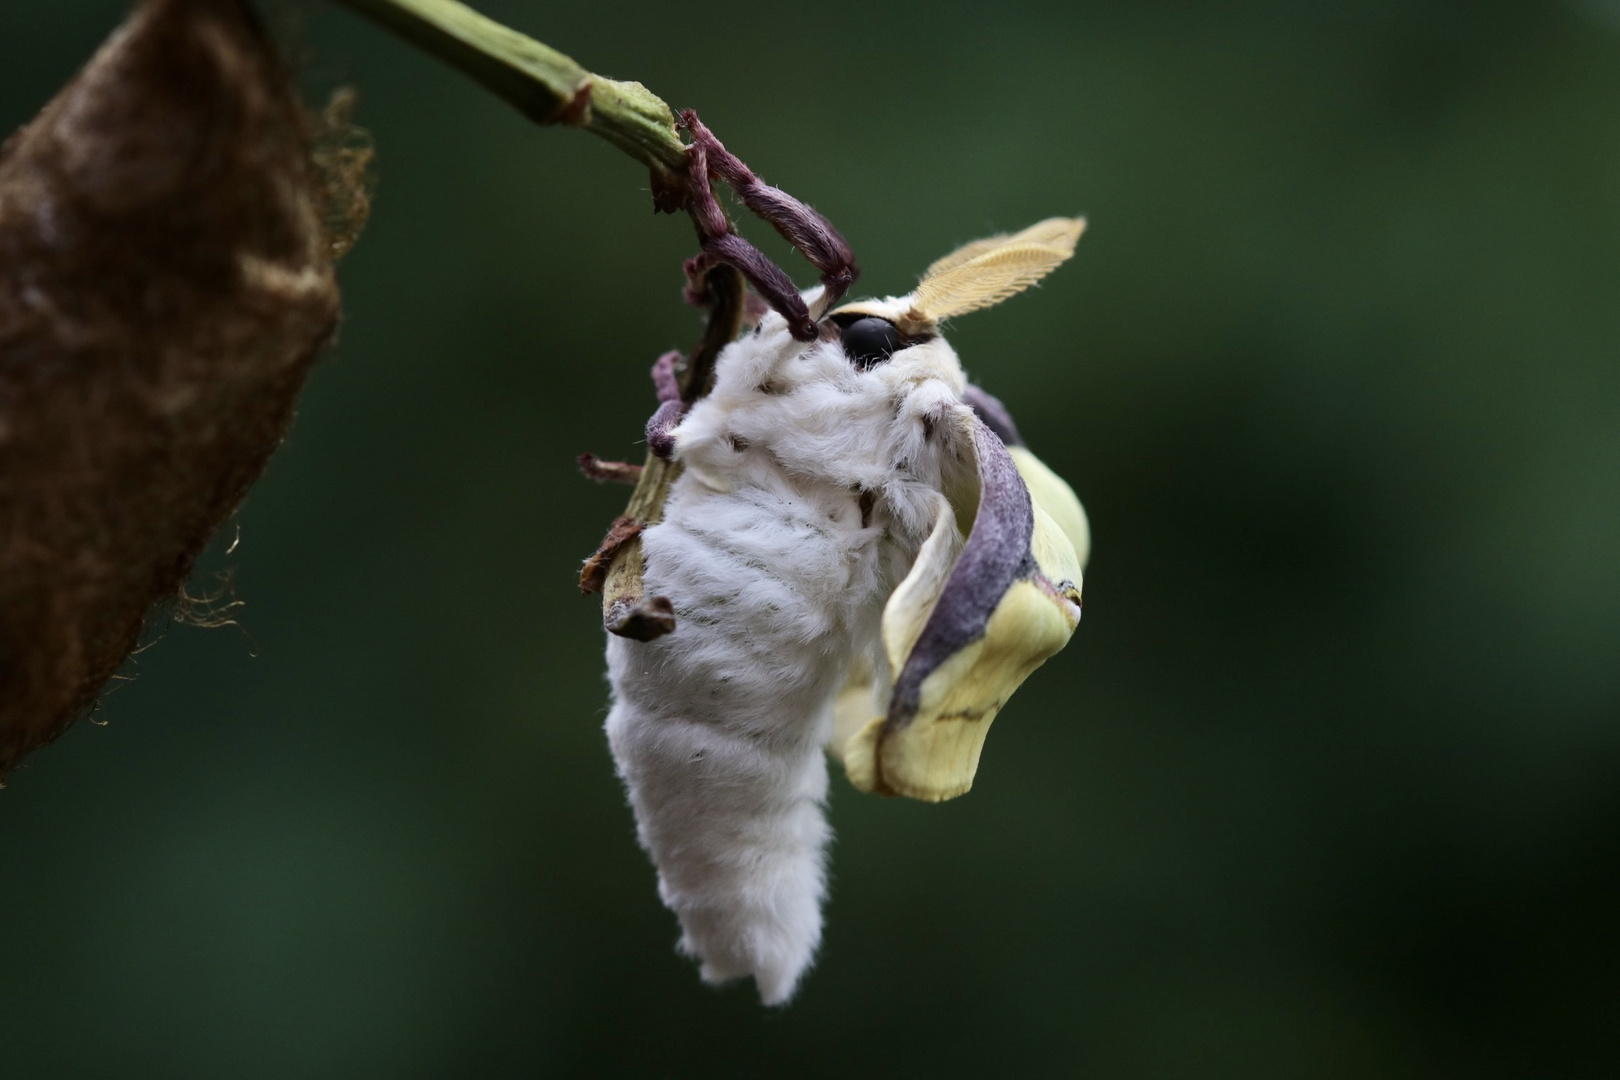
(965, 629)
(1052, 494)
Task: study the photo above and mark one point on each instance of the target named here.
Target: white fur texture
(778, 587)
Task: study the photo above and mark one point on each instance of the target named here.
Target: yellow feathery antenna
(988, 271)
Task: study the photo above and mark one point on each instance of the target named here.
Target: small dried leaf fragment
(166, 281)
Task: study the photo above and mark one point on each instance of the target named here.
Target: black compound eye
(870, 341)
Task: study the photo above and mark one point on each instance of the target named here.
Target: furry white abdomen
(718, 728)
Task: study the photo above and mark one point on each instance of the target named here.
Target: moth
(862, 557)
(857, 556)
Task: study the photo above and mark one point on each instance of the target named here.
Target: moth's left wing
(1046, 488)
(967, 626)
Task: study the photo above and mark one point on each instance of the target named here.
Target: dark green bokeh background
(1326, 784)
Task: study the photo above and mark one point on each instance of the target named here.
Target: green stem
(549, 88)
(542, 83)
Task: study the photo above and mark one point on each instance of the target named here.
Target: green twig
(550, 88)
(543, 84)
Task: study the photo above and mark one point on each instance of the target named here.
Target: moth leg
(665, 385)
(661, 426)
(798, 224)
(721, 245)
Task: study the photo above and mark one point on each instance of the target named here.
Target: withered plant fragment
(166, 252)
(608, 472)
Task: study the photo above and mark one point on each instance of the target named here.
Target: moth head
(872, 331)
(870, 345)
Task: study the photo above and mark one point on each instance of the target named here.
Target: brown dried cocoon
(166, 254)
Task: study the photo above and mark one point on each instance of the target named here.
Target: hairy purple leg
(768, 279)
(670, 410)
(663, 376)
(697, 269)
(705, 209)
(799, 225)
(720, 244)
(661, 427)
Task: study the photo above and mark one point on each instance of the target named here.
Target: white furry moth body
(860, 557)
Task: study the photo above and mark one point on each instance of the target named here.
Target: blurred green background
(1326, 784)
